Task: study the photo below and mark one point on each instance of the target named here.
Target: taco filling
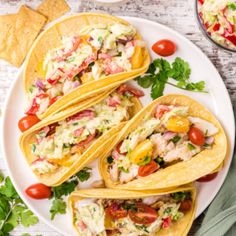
(98, 51)
(144, 216)
(168, 136)
(63, 142)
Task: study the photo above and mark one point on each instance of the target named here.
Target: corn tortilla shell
(184, 172)
(179, 228)
(51, 38)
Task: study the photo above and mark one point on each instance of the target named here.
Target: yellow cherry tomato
(40, 70)
(178, 124)
(141, 151)
(137, 58)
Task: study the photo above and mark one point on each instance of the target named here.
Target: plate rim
(19, 74)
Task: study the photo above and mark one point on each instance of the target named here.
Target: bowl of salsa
(217, 20)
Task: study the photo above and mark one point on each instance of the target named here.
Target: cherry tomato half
(208, 178)
(185, 205)
(118, 148)
(196, 136)
(116, 212)
(27, 121)
(164, 47)
(148, 169)
(38, 191)
(143, 215)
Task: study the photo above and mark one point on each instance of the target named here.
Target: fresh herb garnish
(84, 174)
(123, 169)
(159, 161)
(232, 5)
(91, 64)
(142, 227)
(176, 139)
(58, 207)
(206, 145)
(131, 207)
(181, 196)
(13, 211)
(100, 39)
(58, 192)
(161, 71)
(70, 59)
(146, 161)
(191, 147)
(110, 160)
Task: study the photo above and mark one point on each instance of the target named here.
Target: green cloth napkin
(220, 218)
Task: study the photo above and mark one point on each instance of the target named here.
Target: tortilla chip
(18, 31)
(53, 9)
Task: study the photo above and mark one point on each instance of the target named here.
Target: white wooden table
(178, 15)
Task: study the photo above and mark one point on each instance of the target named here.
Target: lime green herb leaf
(232, 5)
(58, 207)
(145, 81)
(1, 177)
(25, 234)
(8, 189)
(84, 174)
(7, 228)
(180, 70)
(64, 189)
(28, 218)
(4, 208)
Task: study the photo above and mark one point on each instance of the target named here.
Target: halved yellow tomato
(178, 124)
(137, 58)
(141, 151)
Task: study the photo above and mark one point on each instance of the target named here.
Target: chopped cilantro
(123, 169)
(206, 145)
(91, 64)
(160, 161)
(181, 196)
(146, 161)
(110, 159)
(191, 146)
(84, 174)
(70, 59)
(176, 139)
(131, 207)
(100, 39)
(142, 227)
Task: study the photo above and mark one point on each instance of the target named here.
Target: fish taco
(62, 144)
(123, 212)
(78, 57)
(171, 142)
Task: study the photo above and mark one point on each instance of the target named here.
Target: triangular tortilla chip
(53, 9)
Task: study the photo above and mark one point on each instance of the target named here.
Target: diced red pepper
(201, 1)
(231, 38)
(33, 109)
(216, 27)
(166, 222)
(82, 114)
(54, 99)
(125, 88)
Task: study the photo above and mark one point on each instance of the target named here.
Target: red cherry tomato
(148, 169)
(208, 178)
(143, 215)
(27, 121)
(116, 212)
(164, 47)
(38, 191)
(185, 205)
(118, 148)
(54, 99)
(196, 136)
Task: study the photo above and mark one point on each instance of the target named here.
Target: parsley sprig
(177, 74)
(13, 211)
(63, 190)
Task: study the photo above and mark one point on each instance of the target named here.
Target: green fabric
(220, 218)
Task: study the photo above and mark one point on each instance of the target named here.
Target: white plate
(217, 101)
